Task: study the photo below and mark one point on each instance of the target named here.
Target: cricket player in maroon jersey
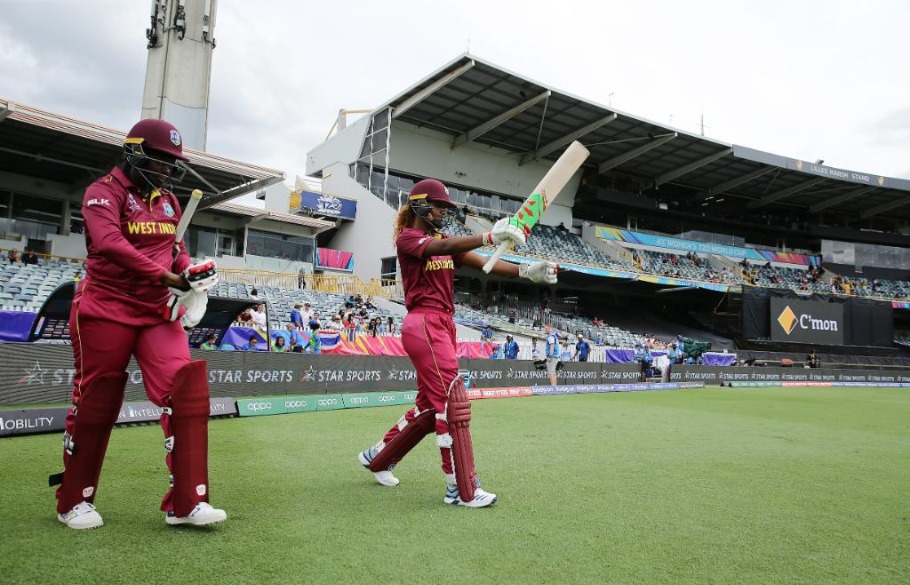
(139, 292)
(428, 260)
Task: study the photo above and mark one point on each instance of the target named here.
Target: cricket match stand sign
(43, 374)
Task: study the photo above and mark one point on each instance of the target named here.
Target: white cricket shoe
(202, 515)
(482, 498)
(383, 477)
(81, 517)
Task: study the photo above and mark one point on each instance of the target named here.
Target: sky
(801, 78)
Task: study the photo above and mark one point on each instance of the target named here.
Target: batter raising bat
(428, 260)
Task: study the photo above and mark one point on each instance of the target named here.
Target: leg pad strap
(395, 450)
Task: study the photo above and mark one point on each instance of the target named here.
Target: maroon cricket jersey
(130, 244)
(428, 282)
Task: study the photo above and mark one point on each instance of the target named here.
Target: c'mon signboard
(800, 321)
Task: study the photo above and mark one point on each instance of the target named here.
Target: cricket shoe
(482, 498)
(202, 515)
(81, 517)
(383, 477)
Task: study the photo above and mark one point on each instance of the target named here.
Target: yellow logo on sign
(787, 320)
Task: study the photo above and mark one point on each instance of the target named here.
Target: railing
(347, 284)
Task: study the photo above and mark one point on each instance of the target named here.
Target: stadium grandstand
(662, 230)
(661, 233)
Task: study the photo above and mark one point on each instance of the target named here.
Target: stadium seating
(280, 301)
(25, 287)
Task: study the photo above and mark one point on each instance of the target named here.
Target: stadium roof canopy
(56, 148)
(476, 101)
(319, 225)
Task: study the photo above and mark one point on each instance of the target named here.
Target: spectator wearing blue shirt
(296, 317)
(552, 352)
(673, 354)
(253, 345)
(582, 349)
(643, 357)
(292, 338)
(487, 333)
(511, 348)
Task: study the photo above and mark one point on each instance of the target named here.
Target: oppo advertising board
(797, 321)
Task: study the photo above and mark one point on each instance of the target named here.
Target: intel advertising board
(799, 321)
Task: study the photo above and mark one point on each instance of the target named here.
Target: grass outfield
(724, 486)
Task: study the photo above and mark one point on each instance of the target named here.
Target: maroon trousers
(428, 338)
(105, 335)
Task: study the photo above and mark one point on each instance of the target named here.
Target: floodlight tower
(178, 74)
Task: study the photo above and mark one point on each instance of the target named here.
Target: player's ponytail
(404, 219)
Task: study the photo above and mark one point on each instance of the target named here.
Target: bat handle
(495, 257)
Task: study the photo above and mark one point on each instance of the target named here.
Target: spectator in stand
(29, 257)
(390, 326)
(301, 279)
(13, 256)
(245, 318)
(511, 348)
(315, 344)
(495, 353)
(294, 338)
(254, 294)
(334, 324)
(536, 354)
(487, 333)
(259, 319)
(673, 354)
(350, 328)
(373, 327)
(565, 354)
(210, 343)
(307, 313)
(296, 317)
(369, 303)
(582, 349)
(253, 344)
(279, 344)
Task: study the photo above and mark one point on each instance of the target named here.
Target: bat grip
(495, 257)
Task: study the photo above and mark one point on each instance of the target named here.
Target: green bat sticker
(529, 213)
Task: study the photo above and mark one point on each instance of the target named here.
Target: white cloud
(812, 79)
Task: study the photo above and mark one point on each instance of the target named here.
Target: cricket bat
(185, 219)
(543, 194)
(187, 216)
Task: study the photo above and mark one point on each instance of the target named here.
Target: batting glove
(187, 305)
(541, 272)
(503, 231)
(202, 276)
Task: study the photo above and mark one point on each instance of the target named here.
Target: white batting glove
(503, 231)
(202, 276)
(541, 272)
(187, 305)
